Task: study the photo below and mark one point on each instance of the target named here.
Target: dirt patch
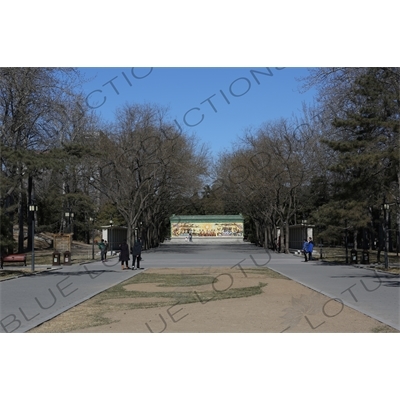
(211, 300)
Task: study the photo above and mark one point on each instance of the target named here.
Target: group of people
(136, 252)
(308, 247)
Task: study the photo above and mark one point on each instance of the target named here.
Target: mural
(207, 228)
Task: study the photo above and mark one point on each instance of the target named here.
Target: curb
(48, 269)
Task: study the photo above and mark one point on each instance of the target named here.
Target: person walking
(305, 249)
(310, 248)
(124, 254)
(102, 248)
(105, 250)
(137, 254)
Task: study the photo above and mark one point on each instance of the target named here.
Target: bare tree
(265, 175)
(30, 103)
(145, 165)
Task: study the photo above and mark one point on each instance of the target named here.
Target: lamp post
(346, 241)
(385, 207)
(70, 216)
(92, 222)
(320, 241)
(111, 246)
(32, 209)
(304, 232)
(141, 232)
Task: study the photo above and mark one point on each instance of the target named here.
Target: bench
(13, 258)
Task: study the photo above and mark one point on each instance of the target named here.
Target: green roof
(206, 218)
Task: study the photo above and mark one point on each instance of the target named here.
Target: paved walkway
(376, 294)
(29, 301)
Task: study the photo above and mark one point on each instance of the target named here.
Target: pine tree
(367, 138)
(366, 142)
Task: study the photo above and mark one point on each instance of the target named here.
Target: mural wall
(207, 228)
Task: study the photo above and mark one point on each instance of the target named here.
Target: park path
(376, 294)
(31, 300)
(28, 301)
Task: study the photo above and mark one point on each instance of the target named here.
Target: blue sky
(217, 104)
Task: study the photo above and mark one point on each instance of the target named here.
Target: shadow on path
(72, 273)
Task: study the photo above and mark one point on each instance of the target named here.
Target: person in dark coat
(305, 249)
(124, 254)
(310, 248)
(105, 250)
(136, 253)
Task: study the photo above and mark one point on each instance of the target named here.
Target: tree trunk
(398, 235)
(129, 236)
(287, 237)
(9, 203)
(282, 237)
(266, 233)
